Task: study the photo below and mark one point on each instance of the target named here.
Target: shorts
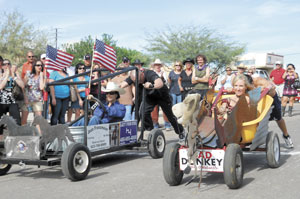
(35, 106)
(75, 105)
(279, 89)
(276, 111)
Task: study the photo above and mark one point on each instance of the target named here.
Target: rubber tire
(67, 162)
(154, 137)
(172, 173)
(233, 175)
(271, 153)
(4, 170)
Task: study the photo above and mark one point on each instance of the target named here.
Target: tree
(17, 37)
(178, 44)
(85, 46)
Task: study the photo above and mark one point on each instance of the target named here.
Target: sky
(264, 26)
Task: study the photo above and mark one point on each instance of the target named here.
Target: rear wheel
(172, 173)
(156, 143)
(233, 166)
(76, 161)
(4, 168)
(273, 150)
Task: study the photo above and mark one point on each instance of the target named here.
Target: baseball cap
(278, 63)
(43, 56)
(87, 57)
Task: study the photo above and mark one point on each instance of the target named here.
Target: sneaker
(156, 126)
(288, 142)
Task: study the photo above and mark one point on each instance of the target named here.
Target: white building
(264, 61)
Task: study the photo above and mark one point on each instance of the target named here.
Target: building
(265, 61)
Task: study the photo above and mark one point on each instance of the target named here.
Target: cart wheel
(273, 150)
(4, 168)
(172, 173)
(156, 143)
(233, 166)
(76, 161)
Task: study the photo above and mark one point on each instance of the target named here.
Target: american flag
(57, 59)
(105, 55)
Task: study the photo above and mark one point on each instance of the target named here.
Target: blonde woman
(173, 82)
(185, 77)
(240, 85)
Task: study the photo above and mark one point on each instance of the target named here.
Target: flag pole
(88, 90)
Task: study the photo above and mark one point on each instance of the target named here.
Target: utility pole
(56, 38)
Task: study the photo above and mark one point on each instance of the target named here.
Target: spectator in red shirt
(276, 77)
(27, 66)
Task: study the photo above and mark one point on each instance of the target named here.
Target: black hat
(87, 57)
(125, 59)
(188, 60)
(137, 61)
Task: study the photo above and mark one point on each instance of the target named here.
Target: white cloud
(275, 8)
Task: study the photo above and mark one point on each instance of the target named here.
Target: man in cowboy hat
(157, 93)
(114, 111)
(138, 63)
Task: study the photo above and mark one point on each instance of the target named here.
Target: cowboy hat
(157, 62)
(188, 60)
(137, 61)
(242, 66)
(112, 86)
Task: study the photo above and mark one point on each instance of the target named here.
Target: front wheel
(156, 143)
(273, 150)
(76, 162)
(4, 168)
(233, 166)
(171, 169)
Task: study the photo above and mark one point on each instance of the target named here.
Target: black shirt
(186, 81)
(151, 76)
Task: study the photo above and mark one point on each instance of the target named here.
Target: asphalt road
(135, 175)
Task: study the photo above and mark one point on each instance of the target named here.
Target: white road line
(281, 153)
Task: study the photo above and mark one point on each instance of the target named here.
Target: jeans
(59, 111)
(128, 112)
(93, 121)
(176, 98)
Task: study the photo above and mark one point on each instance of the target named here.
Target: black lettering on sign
(184, 161)
(219, 161)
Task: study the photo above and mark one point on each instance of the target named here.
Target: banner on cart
(98, 137)
(211, 160)
(128, 132)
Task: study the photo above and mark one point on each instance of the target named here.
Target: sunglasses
(30, 56)
(38, 65)
(112, 93)
(6, 64)
(177, 65)
(80, 68)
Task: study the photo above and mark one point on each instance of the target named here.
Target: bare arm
(284, 75)
(224, 80)
(205, 78)
(4, 80)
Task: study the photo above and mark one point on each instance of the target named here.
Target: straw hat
(242, 66)
(111, 87)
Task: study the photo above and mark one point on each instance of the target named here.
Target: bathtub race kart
(213, 146)
(73, 147)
